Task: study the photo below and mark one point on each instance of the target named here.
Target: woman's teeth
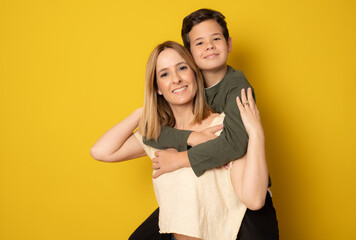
(179, 89)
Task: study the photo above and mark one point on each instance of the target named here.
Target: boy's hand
(226, 166)
(203, 136)
(168, 161)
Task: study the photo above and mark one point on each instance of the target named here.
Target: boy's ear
(229, 45)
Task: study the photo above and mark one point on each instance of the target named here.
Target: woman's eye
(164, 75)
(182, 68)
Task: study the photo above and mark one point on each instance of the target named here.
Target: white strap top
(205, 207)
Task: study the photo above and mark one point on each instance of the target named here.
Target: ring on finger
(246, 103)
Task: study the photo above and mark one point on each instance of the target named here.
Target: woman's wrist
(257, 136)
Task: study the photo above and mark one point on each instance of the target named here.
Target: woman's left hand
(249, 113)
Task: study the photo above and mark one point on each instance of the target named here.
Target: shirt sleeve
(232, 142)
(170, 138)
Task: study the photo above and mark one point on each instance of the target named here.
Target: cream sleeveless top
(205, 207)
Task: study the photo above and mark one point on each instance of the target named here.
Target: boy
(206, 36)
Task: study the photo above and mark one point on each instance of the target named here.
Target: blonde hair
(156, 110)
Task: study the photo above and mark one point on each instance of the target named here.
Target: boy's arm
(170, 138)
(179, 139)
(230, 145)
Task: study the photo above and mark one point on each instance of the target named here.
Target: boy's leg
(149, 229)
(261, 224)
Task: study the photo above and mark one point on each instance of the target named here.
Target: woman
(211, 206)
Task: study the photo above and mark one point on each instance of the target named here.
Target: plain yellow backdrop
(69, 70)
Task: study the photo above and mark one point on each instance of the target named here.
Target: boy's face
(208, 45)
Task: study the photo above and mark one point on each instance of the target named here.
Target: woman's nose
(177, 78)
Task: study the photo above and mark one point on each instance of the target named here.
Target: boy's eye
(198, 43)
(217, 39)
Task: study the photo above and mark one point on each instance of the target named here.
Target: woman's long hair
(156, 110)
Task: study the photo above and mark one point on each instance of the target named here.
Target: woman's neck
(212, 77)
(183, 116)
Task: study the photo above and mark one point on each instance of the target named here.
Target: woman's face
(175, 79)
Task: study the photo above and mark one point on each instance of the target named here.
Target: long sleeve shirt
(232, 142)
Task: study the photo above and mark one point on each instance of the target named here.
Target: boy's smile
(211, 56)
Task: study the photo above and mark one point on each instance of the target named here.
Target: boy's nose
(210, 46)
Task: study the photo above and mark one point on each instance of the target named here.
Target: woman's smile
(179, 90)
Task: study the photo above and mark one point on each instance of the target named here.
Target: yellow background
(70, 70)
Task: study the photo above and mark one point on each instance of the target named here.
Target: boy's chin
(213, 66)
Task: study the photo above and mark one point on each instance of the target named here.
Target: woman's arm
(119, 144)
(249, 174)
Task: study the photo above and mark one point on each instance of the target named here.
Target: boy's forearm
(230, 145)
(216, 153)
(170, 138)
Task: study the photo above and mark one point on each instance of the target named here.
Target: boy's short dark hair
(199, 16)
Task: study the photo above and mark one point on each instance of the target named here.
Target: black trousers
(256, 225)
